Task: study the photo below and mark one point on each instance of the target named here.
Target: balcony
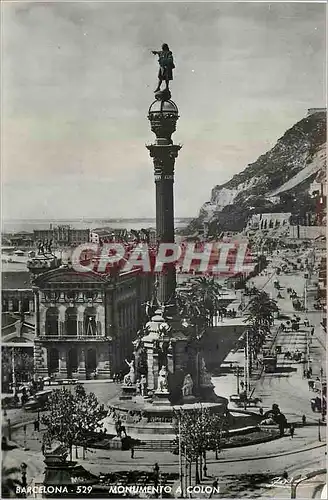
(77, 331)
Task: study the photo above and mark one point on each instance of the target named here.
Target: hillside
(274, 180)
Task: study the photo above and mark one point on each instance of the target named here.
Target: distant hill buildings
(290, 177)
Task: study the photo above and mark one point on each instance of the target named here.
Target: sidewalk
(287, 387)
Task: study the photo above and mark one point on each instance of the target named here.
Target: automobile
(38, 401)
(10, 402)
(267, 421)
(25, 386)
(240, 400)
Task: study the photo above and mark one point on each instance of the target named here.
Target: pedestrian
(43, 448)
(321, 372)
(132, 450)
(215, 486)
(292, 430)
(312, 331)
(303, 419)
(156, 474)
(36, 426)
(261, 411)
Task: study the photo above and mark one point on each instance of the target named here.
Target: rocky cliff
(274, 180)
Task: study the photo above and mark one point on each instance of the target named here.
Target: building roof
(19, 280)
(102, 230)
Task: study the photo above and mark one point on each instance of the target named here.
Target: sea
(11, 226)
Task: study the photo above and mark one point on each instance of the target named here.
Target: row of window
(16, 305)
(71, 326)
(70, 295)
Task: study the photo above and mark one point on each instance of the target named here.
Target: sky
(78, 79)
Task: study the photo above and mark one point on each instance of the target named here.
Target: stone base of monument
(189, 399)
(161, 398)
(207, 394)
(153, 419)
(116, 443)
(128, 392)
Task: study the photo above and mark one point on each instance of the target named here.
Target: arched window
(90, 325)
(52, 321)
(71, 321)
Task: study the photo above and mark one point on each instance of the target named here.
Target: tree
(199, 431)
(72, 417)
(201, 303)
(208, 291)
(261, 309)
(219, 424)
(259, 318)
(23, 362)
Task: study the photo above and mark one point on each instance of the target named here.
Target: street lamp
(24, 428)
(180, 458)
(13, 370)
(322, 395)
(237, 372)
(23, 471)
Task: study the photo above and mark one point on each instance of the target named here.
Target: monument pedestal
(189, 399)
(128, 391)
(207, 393)
(161, 398)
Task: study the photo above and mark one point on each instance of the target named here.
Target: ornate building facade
(85, 323)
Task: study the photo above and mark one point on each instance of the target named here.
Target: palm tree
(260, 317)
(199, 305)
(261, 309)
(208, 290)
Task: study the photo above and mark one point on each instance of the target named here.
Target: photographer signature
(283, 482)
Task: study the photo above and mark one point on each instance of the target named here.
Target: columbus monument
(167, 370)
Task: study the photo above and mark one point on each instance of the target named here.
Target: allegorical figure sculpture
(143, 385)
(162, 385)
(187, 386)
(166, 66)
(40, 248)
(129, 378)
(205, 377)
